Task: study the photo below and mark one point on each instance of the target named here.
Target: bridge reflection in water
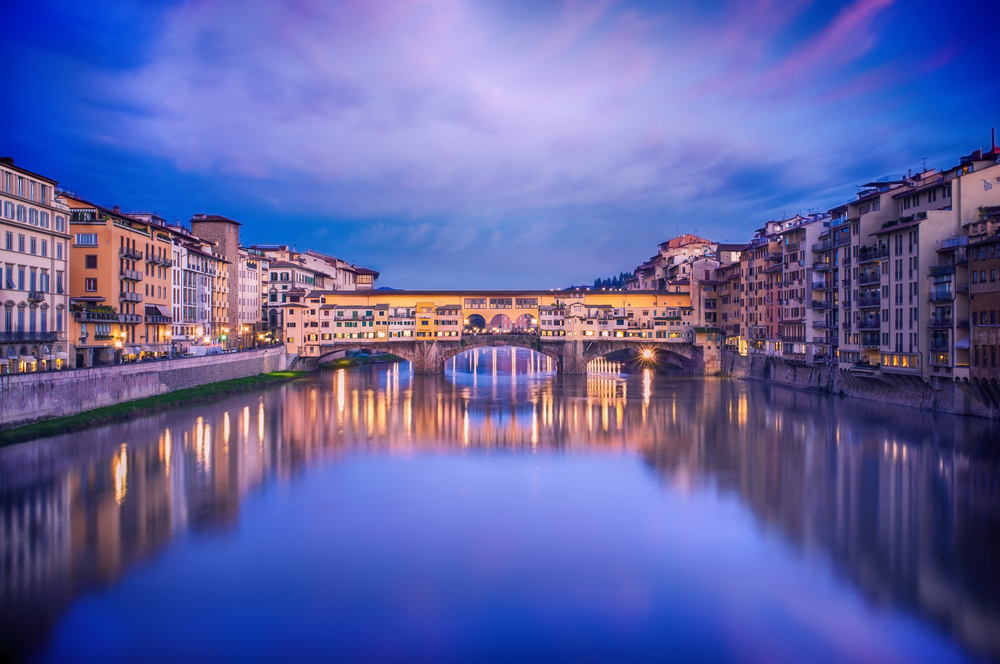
(902, 503)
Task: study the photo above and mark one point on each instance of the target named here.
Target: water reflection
(904, 504)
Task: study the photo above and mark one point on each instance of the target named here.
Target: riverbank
(130, 409)
(944, 396)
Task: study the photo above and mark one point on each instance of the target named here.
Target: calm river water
(503, 513)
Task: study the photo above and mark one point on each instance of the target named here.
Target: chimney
(116, 209)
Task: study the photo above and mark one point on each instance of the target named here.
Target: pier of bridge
(571, 355)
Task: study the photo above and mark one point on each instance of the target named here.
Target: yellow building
(118, 266)
(322, 318)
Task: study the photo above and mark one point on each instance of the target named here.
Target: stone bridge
(571, 355)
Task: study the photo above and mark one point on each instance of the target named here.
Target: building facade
(35, 289)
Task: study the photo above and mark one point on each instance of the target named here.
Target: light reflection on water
(792, 494)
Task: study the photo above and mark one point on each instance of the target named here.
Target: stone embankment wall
(901, 390)
(27, 398)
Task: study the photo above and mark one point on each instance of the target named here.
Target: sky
(489, 143)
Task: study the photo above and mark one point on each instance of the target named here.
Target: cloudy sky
(514, 143)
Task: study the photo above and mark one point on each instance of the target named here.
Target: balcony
(36, 296)
(870, 324)
(869, 278)
(816, 304)
(842, 241)
(821, 267)
(126, 296)
(954, 242)
(822, 246)
(870, 254)
(130, 275)
(29, 336)
(846, 325)
(868, 301)
(941, 296)
(822, 286)
(131, 254)
(823, 325)
(939, 345)
(940, 322)
(129, 318)
(153, 259)
(158, 320)
(773, 256)
(963, 322)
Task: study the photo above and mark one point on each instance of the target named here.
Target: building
(251, 268)
(157, 285)
(984, 289)
(35, 250)
(200, 291)
(224, 233)
(110, 283)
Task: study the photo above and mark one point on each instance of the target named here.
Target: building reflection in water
(903, 503)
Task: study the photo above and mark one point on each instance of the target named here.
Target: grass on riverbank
(130, 409)
(348, 362)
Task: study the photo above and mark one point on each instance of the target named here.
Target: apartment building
(35, 253)
(157, 285)
(107, 285)
(251, 267)
(984, 290)
(200, 291)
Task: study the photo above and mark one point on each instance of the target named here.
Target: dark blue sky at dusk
(492, 144)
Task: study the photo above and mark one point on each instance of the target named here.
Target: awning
(62, 356)
(963, 343)
(27, 358)
(3, 361)
(50, 357)
(164, 310)
(145, 349)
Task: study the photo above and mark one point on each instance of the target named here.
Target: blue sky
(492, 144)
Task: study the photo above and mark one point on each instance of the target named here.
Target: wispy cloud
(396, 106)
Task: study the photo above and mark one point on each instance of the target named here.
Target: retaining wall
(901, 390)
(27, 398)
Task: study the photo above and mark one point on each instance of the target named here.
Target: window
(45, 247)
(44, 220)
(60, 223)
(91, 285)
(59, 250)
(33, 243)
(33, 217)
(20, 243)
(10, 242)
(90, 261)
(86, 239)
(22, 213)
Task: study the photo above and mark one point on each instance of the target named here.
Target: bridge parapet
(571, 355)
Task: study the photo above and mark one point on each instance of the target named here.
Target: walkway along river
(501, 511)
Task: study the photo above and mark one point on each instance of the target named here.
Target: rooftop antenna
(925, 164)
(993, 139)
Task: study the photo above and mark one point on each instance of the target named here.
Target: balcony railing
(29, 336)
(846, 283)
(821, 286)
(822, 246)
(158, 260)
(130, 297)
(941, 296)
(870, 324)
(816, 304)
(129, 318)
(842, 241)
(36, 296)
(870, 278)
(868, 255)
(159, 320)
(869, 300)
(821, 267)
(939, 345)
(822, 325)
(131, 254)
(940, 322)
(131, 275)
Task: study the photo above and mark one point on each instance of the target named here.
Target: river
(501, 512)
